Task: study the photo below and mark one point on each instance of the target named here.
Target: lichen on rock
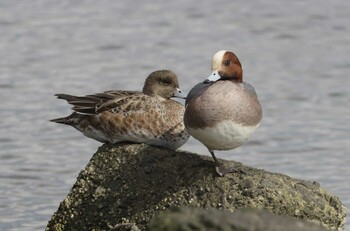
(188, 219)
(131, 183)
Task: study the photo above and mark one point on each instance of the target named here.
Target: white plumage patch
(217, 59)
(225, 135)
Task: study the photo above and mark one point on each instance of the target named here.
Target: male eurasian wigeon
(223, 111)
(117, 116)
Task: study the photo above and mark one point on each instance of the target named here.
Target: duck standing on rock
(223, 111)
(115, 116)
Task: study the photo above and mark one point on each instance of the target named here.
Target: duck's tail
(71, 120)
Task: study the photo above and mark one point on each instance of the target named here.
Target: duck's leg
(220, 169)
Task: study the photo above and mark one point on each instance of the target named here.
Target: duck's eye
(227, 62)
(165, 82)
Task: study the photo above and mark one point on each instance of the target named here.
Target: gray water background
(295, 54)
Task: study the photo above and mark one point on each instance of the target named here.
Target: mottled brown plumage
(141, 117)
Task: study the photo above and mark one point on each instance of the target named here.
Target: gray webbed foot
(222, 170)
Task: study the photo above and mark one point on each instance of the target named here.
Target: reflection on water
(296, 57)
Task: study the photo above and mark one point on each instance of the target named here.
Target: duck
(223, 111)
(116, 116)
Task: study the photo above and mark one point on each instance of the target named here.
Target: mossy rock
(131, 183)
(189, 219)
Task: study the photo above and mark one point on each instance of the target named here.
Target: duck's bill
(213, 77)
(179, 94)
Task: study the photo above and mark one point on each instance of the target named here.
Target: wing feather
(113, 101)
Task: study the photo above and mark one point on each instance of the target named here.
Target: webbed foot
(222, 170)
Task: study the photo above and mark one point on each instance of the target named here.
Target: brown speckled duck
(117, 116)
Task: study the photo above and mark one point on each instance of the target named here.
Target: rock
(187, 219)
(125, 227)
(131, 183)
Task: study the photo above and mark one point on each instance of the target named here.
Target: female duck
(130, 116)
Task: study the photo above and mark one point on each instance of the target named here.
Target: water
(296, 54)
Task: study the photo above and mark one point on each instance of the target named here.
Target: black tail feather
(69, 120)
(60, 120)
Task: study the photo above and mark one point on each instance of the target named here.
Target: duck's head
(225, 66)
(163, 83)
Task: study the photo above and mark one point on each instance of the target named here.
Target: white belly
(223, 136)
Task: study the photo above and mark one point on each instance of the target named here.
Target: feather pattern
(142, 117)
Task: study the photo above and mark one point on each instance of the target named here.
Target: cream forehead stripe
(217, 58)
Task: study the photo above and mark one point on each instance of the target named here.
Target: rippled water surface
(295, 54)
